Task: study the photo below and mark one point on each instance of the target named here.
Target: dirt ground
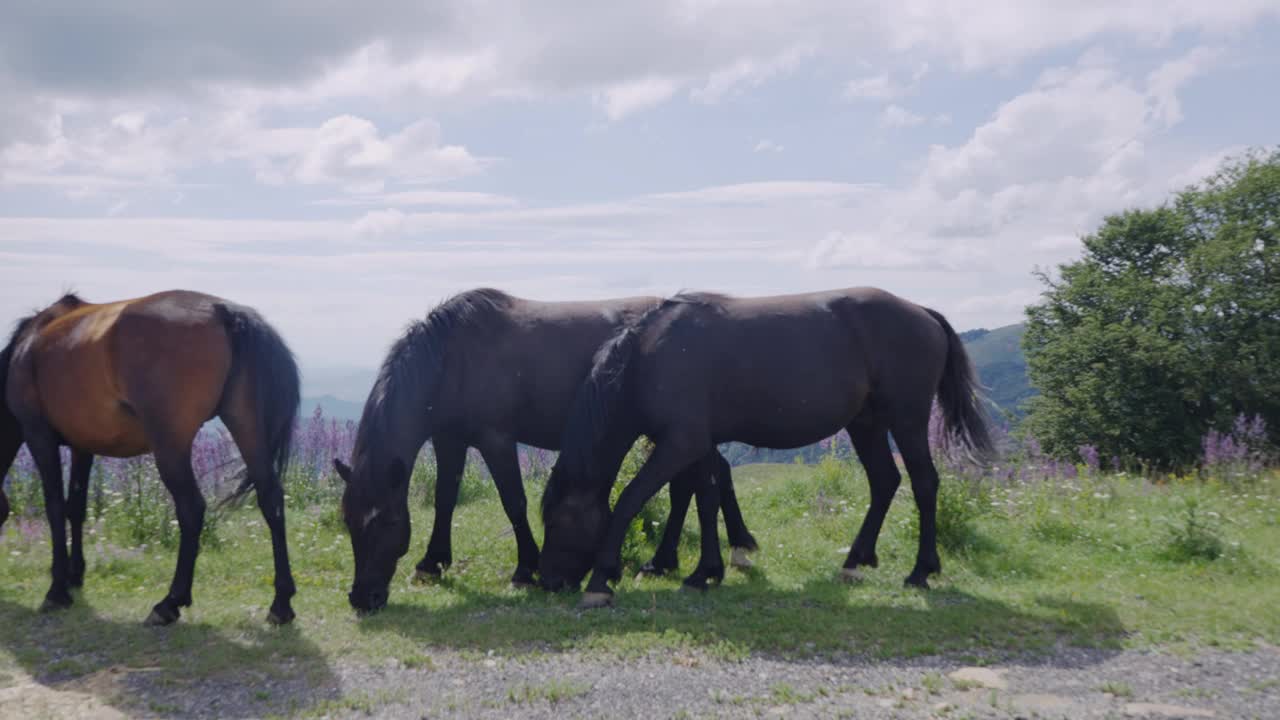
(1071, 683)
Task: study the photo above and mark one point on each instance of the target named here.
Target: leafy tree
(1168, 326)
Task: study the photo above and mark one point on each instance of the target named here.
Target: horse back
(104, 372)
(779, 371)
(518, 374)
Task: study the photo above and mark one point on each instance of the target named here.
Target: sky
(343, 167)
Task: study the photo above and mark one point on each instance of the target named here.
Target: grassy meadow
(1103, 560)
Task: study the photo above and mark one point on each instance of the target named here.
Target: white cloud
(408, 198)
(380, 222)
(767, 146)
(874, 87)
(765, 192)
(747, 72)
(896, 116)
(129, 150)
(623, 99)
(882, 86)
(350, 150)
(1163, 83)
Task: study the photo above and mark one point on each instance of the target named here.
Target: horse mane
(599, 400)
(415, 362)
(20, 328)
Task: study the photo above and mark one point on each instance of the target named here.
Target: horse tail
(259, 352)
(10, 430)
(962, 413)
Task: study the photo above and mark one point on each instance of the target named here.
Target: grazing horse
(776, 372)
(488, 370)
(125, 378)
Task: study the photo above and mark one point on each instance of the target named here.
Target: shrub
(1196, 538)
(645, 529)
(961, 501)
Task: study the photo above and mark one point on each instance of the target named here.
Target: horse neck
(606, 460)
(399, 430)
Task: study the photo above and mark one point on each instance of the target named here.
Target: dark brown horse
(488, 370)
(777, 372)
(125, 378)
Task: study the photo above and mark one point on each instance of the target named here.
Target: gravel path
(1072, 683)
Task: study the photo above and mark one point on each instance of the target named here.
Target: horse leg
(710, 565)
(913, 442)
(741, 540)
(9, 446)
(43, 445)
(666, 557)
(270, 493)
(871, 442)
(173, 460)
(451, 458)
(504, 465)
(668, 458)
(77, 502)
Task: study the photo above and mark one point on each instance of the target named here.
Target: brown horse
(125, 378)
(777, 372)
(489, 370)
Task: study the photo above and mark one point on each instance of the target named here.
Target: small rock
(986, 677)
(1169, 711)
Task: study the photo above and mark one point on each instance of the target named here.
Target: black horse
(776, 372)
(488, 370)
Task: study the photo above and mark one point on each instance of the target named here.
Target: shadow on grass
(822, 617)
(185, 670)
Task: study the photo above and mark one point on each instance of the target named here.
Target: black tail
(10, 429)
(962, 413)
(258, 350)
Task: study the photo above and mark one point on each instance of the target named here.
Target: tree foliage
(1168, 326)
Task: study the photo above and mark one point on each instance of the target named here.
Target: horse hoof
(155, 619)
(651, 570)
(851, 576)
(51, 605)
(693, 586)
(739, 559)
(284, 617)
(423, 577)
(593, 600)
(919, 584)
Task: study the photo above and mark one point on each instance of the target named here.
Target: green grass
(552, 691)
(1108, 562)
(1117, 688)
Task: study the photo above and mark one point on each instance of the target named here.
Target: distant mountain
(332, 407)
(349, 383)
(1002, 368)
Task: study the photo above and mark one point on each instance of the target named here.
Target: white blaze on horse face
(368, 518)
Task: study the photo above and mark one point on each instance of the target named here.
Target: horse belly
(791, 413)
(103, 427)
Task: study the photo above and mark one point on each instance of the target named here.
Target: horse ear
(344, 472)
(399, 474)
